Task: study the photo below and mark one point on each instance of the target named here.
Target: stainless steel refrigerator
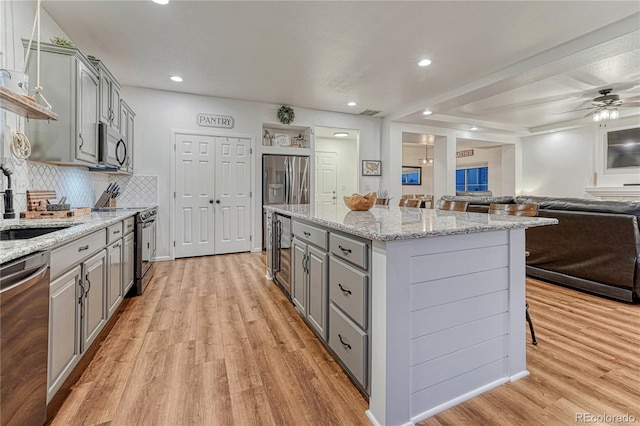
(285, 180)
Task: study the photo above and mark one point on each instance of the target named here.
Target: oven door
(282, 252)
(145, 254)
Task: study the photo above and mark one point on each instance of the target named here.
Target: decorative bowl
(360, 202)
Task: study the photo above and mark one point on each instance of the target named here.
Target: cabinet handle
(344, 290)
(306, 234)
(81, 291)
(81, 141)
(304, 263)
(345, 251)
(83, 248)
(116, 232)
(345, 344)
(116, 245)
(86, 278)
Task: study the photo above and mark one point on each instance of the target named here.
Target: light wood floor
(211, 342)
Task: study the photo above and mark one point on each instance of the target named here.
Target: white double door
(212, 199)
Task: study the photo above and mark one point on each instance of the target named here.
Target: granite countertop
(389, 223)
(77, 227)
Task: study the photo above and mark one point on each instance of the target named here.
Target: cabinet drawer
(310, 234)
(348, 289)
(114, 232)
(129, 224)
(347, 248)
(71, 254)
(349, 343)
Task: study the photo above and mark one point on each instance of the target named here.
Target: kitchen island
(446, 303)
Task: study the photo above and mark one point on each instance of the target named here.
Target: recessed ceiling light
(161, 1)
(341, 134)
(424, 63)
(176, 78)
(474, 128)
(352, 103)
(427, 112)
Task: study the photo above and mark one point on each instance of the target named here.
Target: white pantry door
(232, 189)
(326, 181)
(194, 211)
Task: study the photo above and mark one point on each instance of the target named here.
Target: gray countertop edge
(500, 223)
(78, 227)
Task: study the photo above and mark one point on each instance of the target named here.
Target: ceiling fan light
(614, 115)
(604, 114)
(596, 117)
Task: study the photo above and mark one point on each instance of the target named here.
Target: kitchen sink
(26, 233)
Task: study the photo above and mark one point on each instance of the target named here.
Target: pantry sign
(214, 120)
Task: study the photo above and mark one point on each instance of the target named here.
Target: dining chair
(457, 206)
(412, 203)
(382, 201)
(525, 209)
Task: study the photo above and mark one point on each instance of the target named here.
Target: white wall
(564, 163)
(411, 156)
(160, 112)
(347, 165)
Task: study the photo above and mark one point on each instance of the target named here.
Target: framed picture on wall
(371, 168)
(411, 175)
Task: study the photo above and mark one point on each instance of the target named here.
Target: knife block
(112, 202)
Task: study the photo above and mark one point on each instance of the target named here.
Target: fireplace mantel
(625, 193)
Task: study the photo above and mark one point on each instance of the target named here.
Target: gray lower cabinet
(349, 306)
(64, 328)
(88, 283)
(128, 253)
(94, 315)
(114, 277)
(309, 289)
(77, 314)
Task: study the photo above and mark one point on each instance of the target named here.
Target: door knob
(210, 201)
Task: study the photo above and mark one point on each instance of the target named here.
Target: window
(472, 179)
(411, 175)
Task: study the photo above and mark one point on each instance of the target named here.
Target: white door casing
(326, 177)
(194, 217)
(232, 189)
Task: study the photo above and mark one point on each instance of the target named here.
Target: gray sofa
(594, 248)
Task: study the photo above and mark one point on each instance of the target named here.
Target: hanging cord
(38, 88)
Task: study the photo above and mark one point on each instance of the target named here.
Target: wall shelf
(22, 106)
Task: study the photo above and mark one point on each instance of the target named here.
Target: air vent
(370, 112)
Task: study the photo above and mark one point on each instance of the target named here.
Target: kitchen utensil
(34, 197)
(80, 211)
(58, 207)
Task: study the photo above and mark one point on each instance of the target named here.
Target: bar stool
(457, 206)
(526, 209)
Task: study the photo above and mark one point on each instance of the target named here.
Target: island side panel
(456, 304)
(389, 402)
(517, 301)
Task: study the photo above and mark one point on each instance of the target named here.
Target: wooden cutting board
(34, 197)
(81, 211)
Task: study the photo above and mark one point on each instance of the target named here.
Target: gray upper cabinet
(70, 85)
(126, 129)
(110, 97)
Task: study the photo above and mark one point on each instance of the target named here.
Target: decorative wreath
(286, 114)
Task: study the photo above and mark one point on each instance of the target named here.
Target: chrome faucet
(8, 194)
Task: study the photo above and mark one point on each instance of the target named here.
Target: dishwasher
(24, 335)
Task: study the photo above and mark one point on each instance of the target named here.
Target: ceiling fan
(605, 106)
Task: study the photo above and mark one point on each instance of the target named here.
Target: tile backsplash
(81, 187)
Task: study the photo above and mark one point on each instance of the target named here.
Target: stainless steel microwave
(113, 149)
